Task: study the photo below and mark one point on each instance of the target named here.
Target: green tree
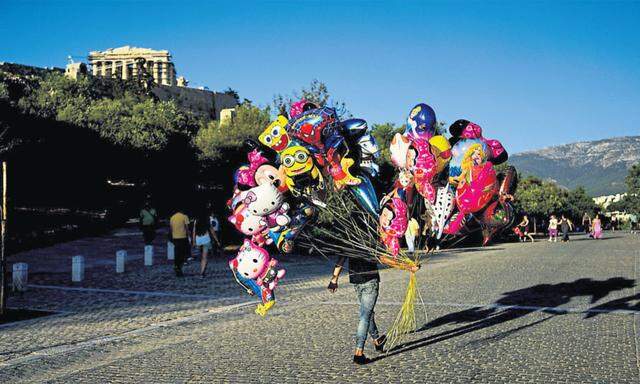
(249, 122)
(579, 203)
(316, 92)
(631, 202)
(123, 112)
(383, 134)
(540, 198)
(233, 93)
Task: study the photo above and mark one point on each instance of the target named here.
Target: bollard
(148, 255)
(77, 268)
(20, 276)
(121, 258)
(171, 251)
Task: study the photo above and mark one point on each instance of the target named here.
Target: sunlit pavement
(542, 312)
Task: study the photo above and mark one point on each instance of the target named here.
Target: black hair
(202, 223)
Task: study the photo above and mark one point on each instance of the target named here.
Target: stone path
(542, 312)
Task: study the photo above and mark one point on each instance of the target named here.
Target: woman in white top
(203, 236)
(553, 229)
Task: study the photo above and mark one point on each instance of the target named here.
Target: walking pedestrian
(586, 223)
(179, 229)
(525, 226)
(553, 228)
(203, 237)
(364, 276)
(148, 222)
(565, 225)
(596, 227)
(614, 222)
(413, 229)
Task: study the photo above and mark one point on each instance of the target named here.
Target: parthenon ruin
(131, 62)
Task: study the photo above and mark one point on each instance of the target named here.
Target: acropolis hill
(128, 63)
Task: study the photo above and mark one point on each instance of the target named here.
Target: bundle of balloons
(446, 185)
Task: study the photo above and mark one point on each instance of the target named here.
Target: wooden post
(3, 236)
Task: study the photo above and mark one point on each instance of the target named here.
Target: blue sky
(532, 74)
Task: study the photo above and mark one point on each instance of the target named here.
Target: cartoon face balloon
(296, 160)
(251, 261)
(269, 174)
(263, 199)
(466, 153)
(247, 222)
(275, 135)
(393, 224)
(421, 122)
(399, 148)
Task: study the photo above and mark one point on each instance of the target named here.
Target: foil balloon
(319, 130)
(362, 145)
(478, 185)
(421, 122)
(366, 196)
(499, 214)
(424, 167)
(246, 174)
(299, 107)
(253, 263)
(393, 224)
(460, 152)
(301, 214)
(441, 150)
(302, 175)
(275, 136)
(398, 149)
(464, 129)
(441, 210)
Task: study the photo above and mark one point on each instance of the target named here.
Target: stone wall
(201, 102)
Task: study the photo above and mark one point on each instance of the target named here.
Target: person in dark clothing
(364, 276)
(565, 226)
(586, 223)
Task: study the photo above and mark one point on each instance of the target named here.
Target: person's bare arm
(186, 228)
(333, 284)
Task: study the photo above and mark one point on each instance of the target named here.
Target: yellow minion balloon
(275, 136)
(302, 175)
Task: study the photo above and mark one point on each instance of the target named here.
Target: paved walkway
(542, 312)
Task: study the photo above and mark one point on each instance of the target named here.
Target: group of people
(565, 226)
(202, 234)
(561, 226)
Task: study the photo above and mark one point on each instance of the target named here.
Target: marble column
(125, 69)
(156, 72)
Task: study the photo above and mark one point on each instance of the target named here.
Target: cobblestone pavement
(542, 312)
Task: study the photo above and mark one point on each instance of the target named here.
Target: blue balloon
(421, 121)
(366, 196)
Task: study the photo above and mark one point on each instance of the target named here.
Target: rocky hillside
(600, 166)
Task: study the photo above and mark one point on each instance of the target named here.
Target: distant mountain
(599, 166)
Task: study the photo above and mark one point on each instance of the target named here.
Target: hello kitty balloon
(254, 263)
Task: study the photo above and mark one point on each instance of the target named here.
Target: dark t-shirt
(361, 271)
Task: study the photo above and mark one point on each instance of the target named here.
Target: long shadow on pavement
(546, 298)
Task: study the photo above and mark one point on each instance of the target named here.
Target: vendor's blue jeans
(367, 296)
